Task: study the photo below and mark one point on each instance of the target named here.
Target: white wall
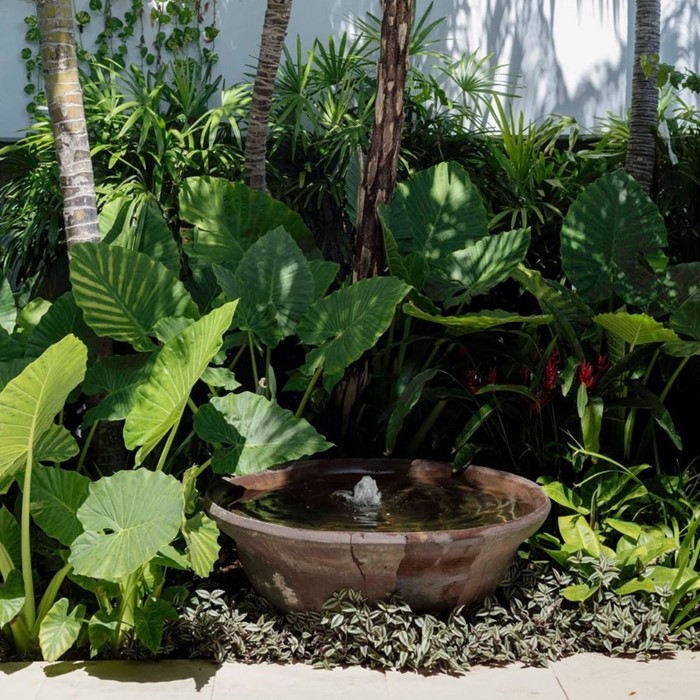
(574, 56)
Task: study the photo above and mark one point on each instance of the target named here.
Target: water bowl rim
(530, 522)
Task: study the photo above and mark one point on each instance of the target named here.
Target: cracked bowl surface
(299, 568)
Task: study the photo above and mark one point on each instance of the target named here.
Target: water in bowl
(403, 505)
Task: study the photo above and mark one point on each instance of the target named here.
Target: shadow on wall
(573, 58)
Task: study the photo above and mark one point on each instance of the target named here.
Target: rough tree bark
(378, 180)
(379, 177)
(641, 149)
(273, 34)
(67, 115)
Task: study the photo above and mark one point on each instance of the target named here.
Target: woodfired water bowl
(299, 568)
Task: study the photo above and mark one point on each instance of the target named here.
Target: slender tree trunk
(378, 181)
(273, 34)
(641, 150)
(65, 101)
(379, 177)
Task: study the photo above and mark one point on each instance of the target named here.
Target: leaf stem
(237, 356)
(256, 377)
(86, 447)
(49, 597)
(268, 353)
(166, 448)
(673, 378)
(127, 607)
(402, 348)
(307, 393)
(29, 608)
(203, 466)
(428, 423)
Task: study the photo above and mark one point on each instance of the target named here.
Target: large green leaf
(404, 405)
(686, 319)
(255, 433)
(9, 369)
(59, 629)
(30, 401)
(10, 537)
(611, 241)
(124, 293)
(149, 619)
(348, 322)
(635, 329)
(683, 283)
(576, 531)
(55, 498)
(273, 284)
(229, 217)
(11, 597)
(62, 318)
(31, 314)
(10, 348)
(116, 379)
(479, 267)
(8, 310)
(472, 323)
(55, 445)
(324, 273)
(138, 224)
(161, 399)
(127, 518)
(201, 534)
(101, 629)
(563, 304)
(435, 212)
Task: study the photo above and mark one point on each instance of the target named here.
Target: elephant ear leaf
(56, 496)
(161, 399)
(228, 217)
(348, 322)
(123, 294)
(138, 224)
(435, 212)
(127, 519)
(60, 629)
(8, 310)
(479, 267)
(115, 379)
(30, 401)
(611, 242)
(635, 329)
(274, 286)
(63, 317)
(254, 433)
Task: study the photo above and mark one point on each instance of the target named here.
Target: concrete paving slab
(298, 682)
(109, 680)
(20, 681)
(512, 682)
(599, 677)
(582, 677)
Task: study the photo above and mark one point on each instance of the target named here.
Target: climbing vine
(129, 32)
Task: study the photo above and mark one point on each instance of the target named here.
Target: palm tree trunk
(273, 34)
(67, 115)
(641, 149)
(379, 177)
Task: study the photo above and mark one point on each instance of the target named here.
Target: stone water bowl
(298, 562)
